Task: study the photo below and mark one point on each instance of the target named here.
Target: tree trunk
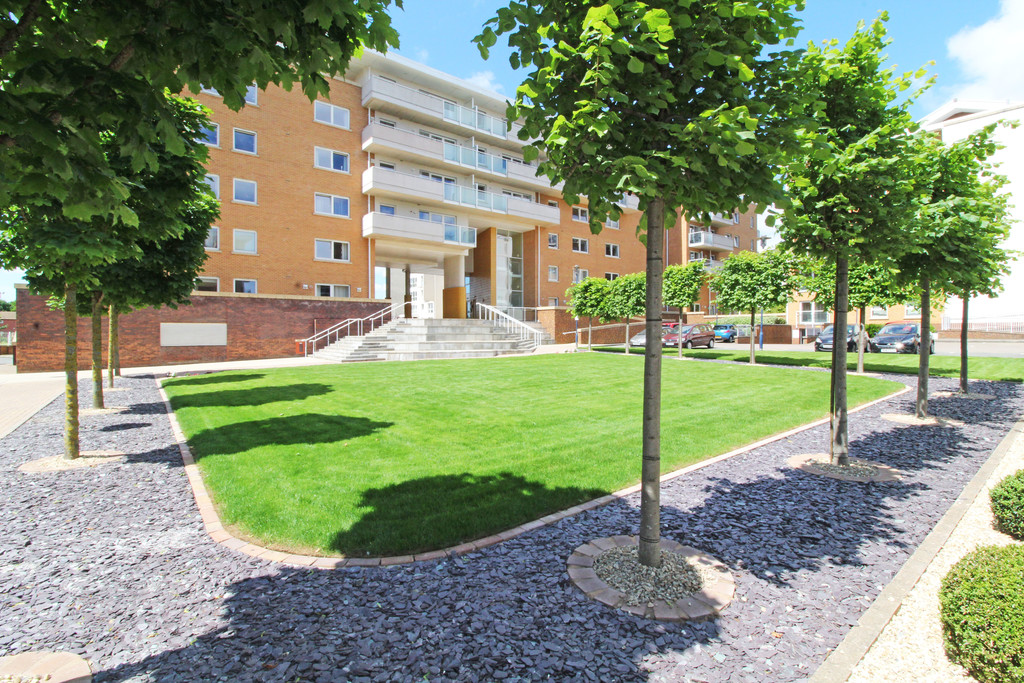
(627, 334)
(590, 333)
(862, 341)
(840, 446)
(97, 350)
(679, 330)
(924, 349)
(111, 344)
(70, 372)
(650, 496)
(115, 340)
(963, 347)
(753, 359)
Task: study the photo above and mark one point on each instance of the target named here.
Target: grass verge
(389, 459)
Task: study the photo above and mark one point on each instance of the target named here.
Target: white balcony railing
(710, 264)
(378, 224)
(725, 219)
(709, 240)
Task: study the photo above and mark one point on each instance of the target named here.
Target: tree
(852, 187)
(956, 236)
(587, 298)
(748, 281)
(627, 296)
(672, 102)
(7, 305)
(682, 287)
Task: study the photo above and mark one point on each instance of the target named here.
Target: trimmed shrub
(872, 329)
(982, 613)
(1008, 505)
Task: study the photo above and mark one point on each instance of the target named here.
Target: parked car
(823, 342)
(726, 333)
(902, 337)
(641, 338)
(692, 335)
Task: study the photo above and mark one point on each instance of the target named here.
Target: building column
(408, 291)
(454, 293)
(387, 282)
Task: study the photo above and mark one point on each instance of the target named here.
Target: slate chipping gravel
(112, 563)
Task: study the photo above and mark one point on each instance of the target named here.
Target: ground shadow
(307, 428)
(429, 513)
(125, 426)
(216, 377)
(255, 396)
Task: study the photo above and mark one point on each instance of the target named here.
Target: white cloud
(422, 56)
(991, 55)
(485, 81)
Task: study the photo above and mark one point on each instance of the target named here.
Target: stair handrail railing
(356, 326)
(533, 337)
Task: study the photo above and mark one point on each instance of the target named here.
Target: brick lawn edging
(219, 534)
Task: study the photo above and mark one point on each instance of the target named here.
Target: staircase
(420, 339)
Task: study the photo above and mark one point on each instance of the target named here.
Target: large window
(331, 250)
(330, 205)
(213, 239)
(330, 114)
(611, 250)
(812, 314)
(581, 245)
(245, 286)
(330, 160)
(244, 141)
(342, 291)
(208, 284)
(244, 191)
(579, 275)
(552, 273)
(580, 214)
(244, 241)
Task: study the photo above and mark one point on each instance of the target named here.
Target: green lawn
(998, 369)
(391, 458)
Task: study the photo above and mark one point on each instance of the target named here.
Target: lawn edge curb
(840, 663)
(219, 534)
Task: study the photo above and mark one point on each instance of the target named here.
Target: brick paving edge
(218, 534)
(840, 663)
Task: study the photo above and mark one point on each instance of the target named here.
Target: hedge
(1008, 505)
(982, 612)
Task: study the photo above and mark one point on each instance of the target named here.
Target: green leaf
(635, 65)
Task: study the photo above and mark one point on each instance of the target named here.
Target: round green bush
(982, 611)
(1008, 505)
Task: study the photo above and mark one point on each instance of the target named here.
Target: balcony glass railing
(475, 119)
(459, 234)
(478, 198)
(475, 158)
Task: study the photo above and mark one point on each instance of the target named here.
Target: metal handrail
(510, 324)
(371, 321)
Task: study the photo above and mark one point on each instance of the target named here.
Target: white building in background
(956, 120)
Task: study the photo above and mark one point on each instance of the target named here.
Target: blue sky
(977, 46)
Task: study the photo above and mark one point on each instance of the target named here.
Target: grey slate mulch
(112, 563)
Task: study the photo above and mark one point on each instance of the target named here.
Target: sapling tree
(852, 188)
(673, 102)
(627, 298)
(587, 298)
(682, 287)
(748, 281)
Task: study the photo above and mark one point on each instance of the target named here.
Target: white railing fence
(534, 338)
(1004, 326)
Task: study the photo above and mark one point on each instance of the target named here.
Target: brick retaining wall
(258, 326)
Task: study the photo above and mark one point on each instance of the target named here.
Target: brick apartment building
(408, 176)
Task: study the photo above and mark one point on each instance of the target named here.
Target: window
(580, 214)
(213, 239)
(879, 312)
(753, 221)
(735, 240)
(581, 245)
(342, 291)
(614, 225)
(610, 276)
(252, 95)
(696, 256)
(330, 114)
(210, 91)
(330, 250)
(330, 159)
(439, 138)
(912, 310)
(579, 275)
(611, 250)
(437, 217)
(736, 217)
(753, 245)
(438, 178)
(552, 241)
(244, 191)
(330, 205)
(553, 301)
(552, 273)
(387, 165)
(517, 195)
(812, 314)
(211, 134)
(214, 182)
(384, 208)
(208, 284)
(553, 202)
(244, 241)
(245, 286)
(387, 124)
(245, 141)
(695, 308)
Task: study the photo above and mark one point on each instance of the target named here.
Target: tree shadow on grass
(435, 512)
(254, 396)
(215, 377)
(307, 428)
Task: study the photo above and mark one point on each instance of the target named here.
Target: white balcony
(385, 225)
(724, 219)
(407, 144)
(420, 106)
(382, 182)
(711, 241)
(710, 264)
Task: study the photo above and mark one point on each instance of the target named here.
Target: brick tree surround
(258, 326)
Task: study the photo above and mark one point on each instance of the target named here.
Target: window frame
(234, 242)
(611, 250)
(581, 214)
(581, 245)
(255, 192)
(244, 131)
(348, 205)
(235, 281)
(214, 230)
(348, 160)
(347, 249)
(215, 185)
(333, 108)
(552, 240)
(206, 278)
(215, 127)
(318, 285)
(255, 92)
(553, 270)
(611, 277)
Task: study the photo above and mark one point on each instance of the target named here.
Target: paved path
(22, 396)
